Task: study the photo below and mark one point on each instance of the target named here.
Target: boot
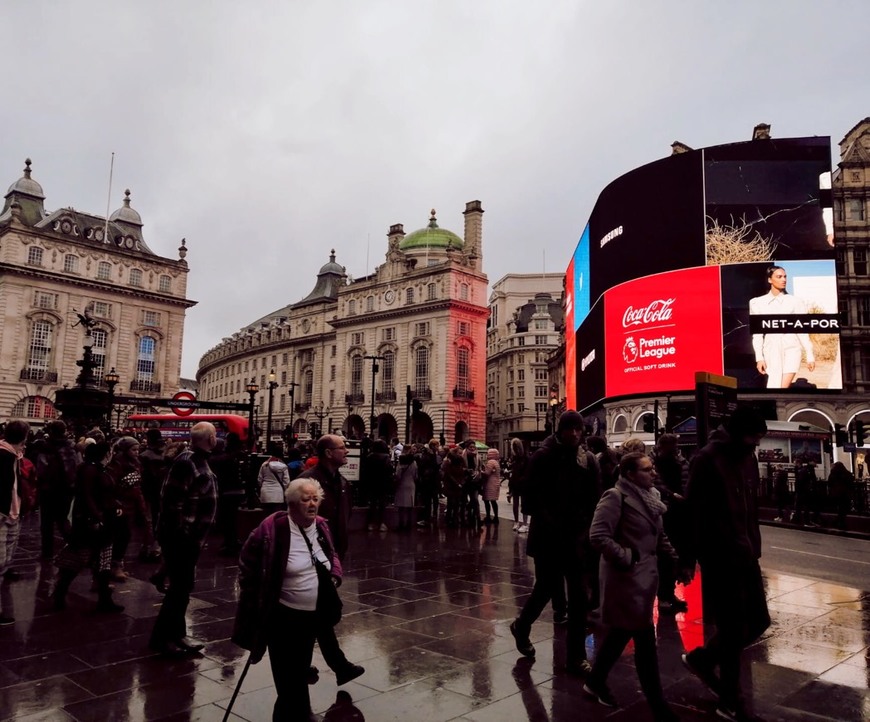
(105, 603)
(64, 580)
(118, 574)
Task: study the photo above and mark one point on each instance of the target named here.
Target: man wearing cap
(721, 495)
(564, 485)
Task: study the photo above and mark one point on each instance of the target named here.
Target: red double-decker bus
(174, 427)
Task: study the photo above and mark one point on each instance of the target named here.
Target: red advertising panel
(570, 344)
(659, 330)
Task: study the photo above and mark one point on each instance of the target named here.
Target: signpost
(183, 403)
(715, 399)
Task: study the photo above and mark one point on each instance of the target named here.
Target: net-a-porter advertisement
(719, 259)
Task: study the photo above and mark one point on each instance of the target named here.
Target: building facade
(55, 265)
(346, 356)
(525, 320)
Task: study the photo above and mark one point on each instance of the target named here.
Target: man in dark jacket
(187, 511)
(563, 490)
(722, 493)
(55, 473)
(11, 452)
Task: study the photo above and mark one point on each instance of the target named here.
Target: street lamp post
(442, 439)
(292, 393)
(554, 404)
(112, 378)
(372, 419)
(272, 386)
(320, 412)
(253, 389)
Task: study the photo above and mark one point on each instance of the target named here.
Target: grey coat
(629, 539)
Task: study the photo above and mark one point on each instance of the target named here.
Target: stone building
(525, 320)
(57, 264)
(420, 317)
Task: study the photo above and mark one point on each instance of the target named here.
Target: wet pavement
(427, 614)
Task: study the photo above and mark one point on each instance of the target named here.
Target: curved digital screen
(670, 275)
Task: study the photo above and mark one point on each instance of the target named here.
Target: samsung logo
(610, 236)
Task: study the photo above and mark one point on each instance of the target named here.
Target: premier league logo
(629, 350)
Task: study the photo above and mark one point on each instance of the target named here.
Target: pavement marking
(824, 556)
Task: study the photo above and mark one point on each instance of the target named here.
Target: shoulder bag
(328, 602)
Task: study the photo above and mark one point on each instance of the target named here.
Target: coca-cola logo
(656, 311)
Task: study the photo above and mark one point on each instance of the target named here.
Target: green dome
(431, 237)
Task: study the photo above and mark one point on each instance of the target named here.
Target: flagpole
(109, 198)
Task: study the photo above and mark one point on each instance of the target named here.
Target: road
(817, 556)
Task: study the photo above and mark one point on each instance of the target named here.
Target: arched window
(146, 360)
(388, 373)
(136, 277)
(99, 341)
(462, 356)
(39, 353)
(104, 271)
(356, 376)
(34, 407)
(421, 369)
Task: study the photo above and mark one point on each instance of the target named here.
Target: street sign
(183, 403)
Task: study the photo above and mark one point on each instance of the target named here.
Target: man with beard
(721, 495)
(563, 490)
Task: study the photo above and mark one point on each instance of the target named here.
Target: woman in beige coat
(627, 530)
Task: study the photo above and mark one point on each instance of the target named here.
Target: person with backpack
(55, 472)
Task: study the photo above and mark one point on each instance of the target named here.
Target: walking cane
(236, 691)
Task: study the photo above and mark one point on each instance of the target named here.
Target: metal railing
(42, 375)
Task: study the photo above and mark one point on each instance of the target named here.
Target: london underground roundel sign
(183, 403)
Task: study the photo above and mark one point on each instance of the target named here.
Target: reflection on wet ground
(427, 614)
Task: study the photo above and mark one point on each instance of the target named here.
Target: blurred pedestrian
(490, 476)
(55, 472)
(273, 479)
(722, 497)
(11, 453)
(519, 468)
(406, 489)
(379, 482)
(841, 484)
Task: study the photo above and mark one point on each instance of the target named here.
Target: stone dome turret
(126, 214)
(332, 266)
(26, 185)
(431, 237)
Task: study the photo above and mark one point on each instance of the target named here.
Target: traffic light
(840, 436)
(859, 432)
(416, 406)
(649, 424)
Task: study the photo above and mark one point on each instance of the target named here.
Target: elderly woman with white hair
(280, 586)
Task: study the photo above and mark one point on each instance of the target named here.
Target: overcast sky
(267, 133)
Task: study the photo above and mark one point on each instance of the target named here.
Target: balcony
(43, 376)
(463, 394)
(354, 399)
(386, 397)
(152, 387)
(303, 407)
(422, 394)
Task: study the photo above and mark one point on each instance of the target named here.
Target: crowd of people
(613, 535)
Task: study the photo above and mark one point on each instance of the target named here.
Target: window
(263, 362)
(421, 328)
(34, 256)
(540, 391)
(284, 359)
(370, 303)
(863, 311)
(540, 340)
(541, 407)
(521, 374)
(540, 324)
(351, 308)
(521, 392)
(274, 360)
(39, 353)
(71, 263)
(283, 403)
(409, 295)
(34, 407)
(358, 338)
(246, 365)
(332, 397)
(856, 209)
(462, 363)
(388, 334)
(145, 363)
(388, 373)
(356, 376)
(463, 291)
(308, 385)
(283, 378)
(165, 284)
(430, 292)
(332, 351)
(306, 356)
(421, 368)
(104, 271)
(45, 300)
(99, 341)
(521, 408)
(521, 341)
(463, 328)
(838, 211)
(136, 277)
(150, 318)
(840, 267)
(541, 375)
(332, 372)
(859, 261)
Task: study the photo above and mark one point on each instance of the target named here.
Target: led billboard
(695, 235)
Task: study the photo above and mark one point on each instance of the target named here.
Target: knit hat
(570, 420)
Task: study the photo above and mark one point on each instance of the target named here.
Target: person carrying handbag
(284, 603)
(273, 479)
